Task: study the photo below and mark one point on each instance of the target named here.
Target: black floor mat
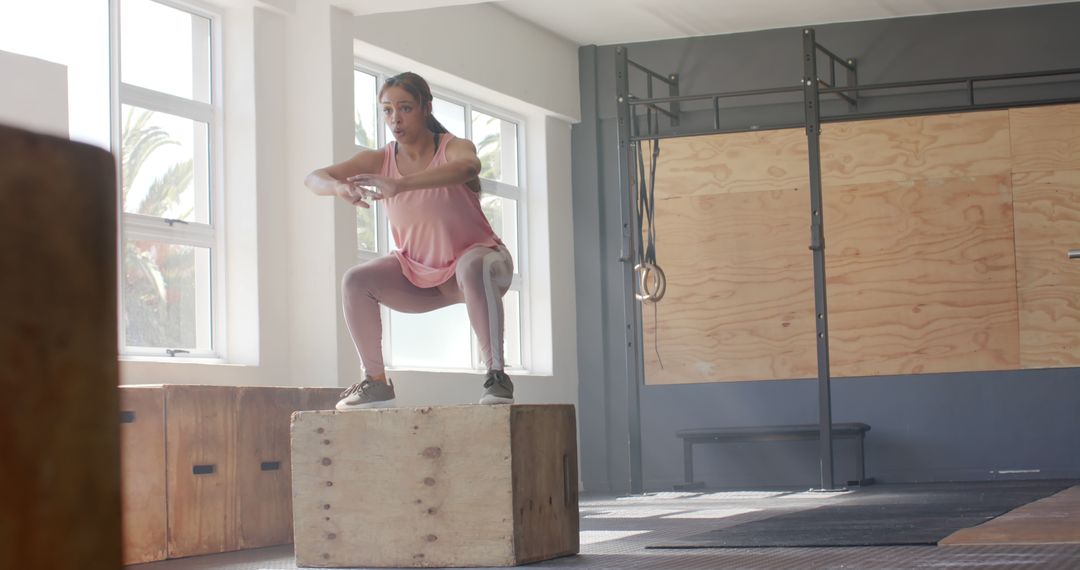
(882, 515)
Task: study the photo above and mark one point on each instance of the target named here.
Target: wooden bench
(809, 432)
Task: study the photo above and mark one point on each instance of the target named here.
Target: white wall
(78, 40)
(487, 46)
(35, 94)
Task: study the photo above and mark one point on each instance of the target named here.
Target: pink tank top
(433, 227)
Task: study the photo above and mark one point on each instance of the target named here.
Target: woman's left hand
(384, 186)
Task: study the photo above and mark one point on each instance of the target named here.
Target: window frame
(210, 235)
(518, 193)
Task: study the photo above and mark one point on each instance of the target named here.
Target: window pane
(166, 295)
(364, 86)
(496, 144)
(165, 49)
(439, 339)
(164, 165)
(366, 232)
(502, 215)
(451, 115)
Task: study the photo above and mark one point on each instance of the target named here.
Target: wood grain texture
(921, 277)
(59, 434)
(142, 468)
(1047, 212)
(263, 468)
(419, 487)
(1049, 327)
(545, 482)
(724, 164)
(407, 487)
(1045, 138)
(1052, 520)
(915, 148)
(200, 431)
(739, 304)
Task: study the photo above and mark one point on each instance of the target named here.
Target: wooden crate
(437, 486)
(60, 479)
(142, 473)
(201, 436)
(264, 495)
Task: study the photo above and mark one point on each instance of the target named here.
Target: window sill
(178, 360)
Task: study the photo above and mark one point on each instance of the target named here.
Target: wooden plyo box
(438, 486)
(205, 469)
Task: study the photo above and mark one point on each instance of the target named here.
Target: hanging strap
(650, 282)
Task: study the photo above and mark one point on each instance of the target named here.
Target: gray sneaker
(498, 389)
(367, 394)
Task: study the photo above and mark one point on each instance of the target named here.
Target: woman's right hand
(352, 194)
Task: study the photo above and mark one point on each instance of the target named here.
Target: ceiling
(605, 22)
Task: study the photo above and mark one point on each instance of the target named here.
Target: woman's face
(404, 115)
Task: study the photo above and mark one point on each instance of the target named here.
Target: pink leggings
(480, 280)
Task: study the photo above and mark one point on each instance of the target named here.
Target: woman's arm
(462, 166)
(334, 180)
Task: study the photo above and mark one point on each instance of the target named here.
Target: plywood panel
(739, 303)
(739, 162)
(1049, 327)
(915, 148)
(1045, 138)
(201, 462)
(59, 444)
(263, 472)
(921, 277)
(142, 468)
(1047, 211)
(1053, 520)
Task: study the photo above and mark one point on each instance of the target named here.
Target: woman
(428, 181)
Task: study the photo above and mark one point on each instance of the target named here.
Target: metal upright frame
(812, 87)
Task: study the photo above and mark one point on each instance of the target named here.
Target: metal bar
(812, 102)
(971, 92)
(952, 80)
(631, 235)
(1073, 254)
(834, 57)
(852, 80)
(843, 96)
(947, 109)
(716, 113)
(877, 115)
(720, 131)
(648, 71)
(673, 91)
(670, 115)
(684, 98)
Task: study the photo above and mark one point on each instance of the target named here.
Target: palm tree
(152, 270)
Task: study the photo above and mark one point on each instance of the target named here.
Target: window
(443, 339)
(167, 133)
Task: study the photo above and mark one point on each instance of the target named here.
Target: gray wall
(931, 427)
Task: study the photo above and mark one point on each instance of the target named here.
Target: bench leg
(860, 465)
(688, 462)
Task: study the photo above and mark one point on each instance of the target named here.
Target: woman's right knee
(356, 280)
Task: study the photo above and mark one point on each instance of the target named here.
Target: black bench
(691, 437)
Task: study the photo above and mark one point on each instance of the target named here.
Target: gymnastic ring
(643, 272)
